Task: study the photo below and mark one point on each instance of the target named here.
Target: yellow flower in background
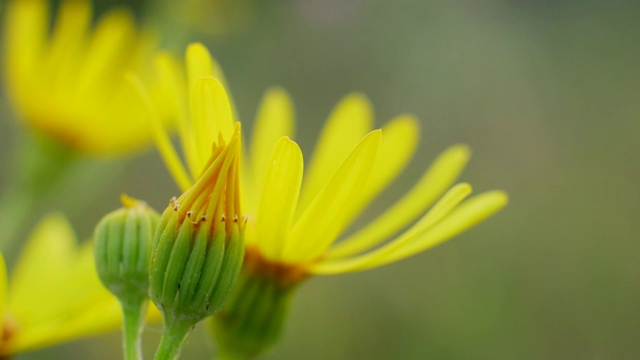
(70, 84)
(53, 294)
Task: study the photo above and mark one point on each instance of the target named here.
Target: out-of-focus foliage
(546, 94)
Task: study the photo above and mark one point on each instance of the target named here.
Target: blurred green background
(547, 95)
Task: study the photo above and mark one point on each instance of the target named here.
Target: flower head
(70, 84)
(54, 294)
(296, 223)
(198, 249)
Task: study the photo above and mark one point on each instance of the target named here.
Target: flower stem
(38, 168)
(132, 331)
(174, 336)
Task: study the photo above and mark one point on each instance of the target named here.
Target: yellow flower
(70, 84)
(53, 294)
(295, 222)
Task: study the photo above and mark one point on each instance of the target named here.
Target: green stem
(132, 331)
(38, 169)
(174, 336)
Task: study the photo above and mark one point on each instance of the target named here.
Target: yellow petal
(41, 269)
(26, 24)
(66, 42)
(438, 178)
(399, 140)
(467, 215)
(107, 54)
(442, 208)
(348, 123)
(464, 217)
(85, 308)
(211, 115)
(274, 120)
(324, 219)
(161, 137)
(3, 290)
(279, 198)
(200, 63)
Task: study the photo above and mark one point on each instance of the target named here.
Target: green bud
(123, 249)
(198, 249)
(195, 263)
(122, 255)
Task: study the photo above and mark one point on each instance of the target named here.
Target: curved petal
(274, 120)
(436, 180)
(348, 123)
(211, 115)
(399, 141)
(465, 216)
(68, 38)
(108, 51)
(26, 24)
(279, 198)
(323, 220)
(81, 307)
(161, 137)
(3, 291)
(41, 269)
(199, 64)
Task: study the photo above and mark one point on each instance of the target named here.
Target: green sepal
(252, 319)
(194, 266)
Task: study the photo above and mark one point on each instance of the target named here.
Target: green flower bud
(123, 249)
(122, 254)
(198, 249)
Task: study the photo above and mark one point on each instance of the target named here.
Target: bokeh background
(547, 93)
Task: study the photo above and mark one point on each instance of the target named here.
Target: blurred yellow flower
(53, 294)
(70, 84)
(294, 222)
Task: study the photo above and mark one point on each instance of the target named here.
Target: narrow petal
(107, 54)
(67, 41)
(26, 24)
(399, 141)
(441, 209)
(279, 198)
(324, 219)
(200, 63)
(3, 290)
(211, 115)
(348, 123)
(438, 178)
(84, 307)
(49, 250)
(274, 120)
(161, 137)
(464, 217)
(171, 101)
